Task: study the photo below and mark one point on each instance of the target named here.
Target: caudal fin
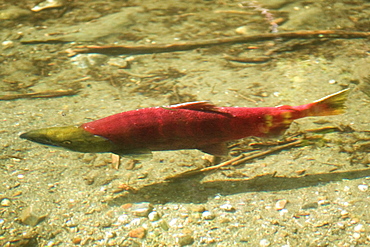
(333, 104)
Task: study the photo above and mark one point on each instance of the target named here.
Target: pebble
(118, 62)
(110, 234)
(17, 193)
(228, 207)
(176, 223)
(5, 202)
(356, 235)
(208, 240)
(184, 215)
(207, 215)
(185, 239)
(139, 232)
(341, 225)
(359, 228)
(310, 205)
(48, 4)
(242, 30)
(127, 206)
(280, 204)
(154, 216)
(264, 243)
(142, 209)
(137, 222)
(323, 202)
(30, 217)
(7, 44)
(154, 233)
(346, 188)
(198, 208)
(88, 60)
(76, 240)
(224, 219)
(163, 224)
(363, 187)
(344, 213)
(123, 219)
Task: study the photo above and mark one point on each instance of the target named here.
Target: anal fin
(135, 154)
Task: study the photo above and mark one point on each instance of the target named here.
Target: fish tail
(333, 104)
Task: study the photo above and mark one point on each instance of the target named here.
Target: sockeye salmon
(193, 125)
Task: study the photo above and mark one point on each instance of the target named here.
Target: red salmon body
(194, 125)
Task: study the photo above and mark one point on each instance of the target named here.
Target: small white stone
(110, 234)
(130, 58)
(136, 222)
(356, 235)
(123, 219)
(154, 216)
(280, 204)
(176, 223)
(7, 44)
(344, 213)
(341, 225)
(206, 215)
(363, 187)
(283, 211)
(142, 209)
(118, 62)
(323, 202)
(359, 228)
(242, 30)
(48, 4)
(5, 202)
(264, 243)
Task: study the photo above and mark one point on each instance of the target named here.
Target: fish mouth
(36, 137)
(72, 138)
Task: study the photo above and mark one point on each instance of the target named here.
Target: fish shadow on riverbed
(192, 190)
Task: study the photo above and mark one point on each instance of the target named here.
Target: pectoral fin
(218, 149)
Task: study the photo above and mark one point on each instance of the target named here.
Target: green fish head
(72, 138)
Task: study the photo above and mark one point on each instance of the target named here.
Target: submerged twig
(43, 94)
(289, 143)
(237, 160)
(260, 59)
(190, 45)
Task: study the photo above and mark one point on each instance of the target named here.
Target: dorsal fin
(198, 106)
(195, 105)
